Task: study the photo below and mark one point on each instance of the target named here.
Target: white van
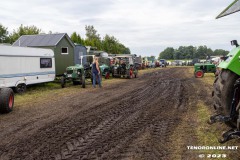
(21, 66)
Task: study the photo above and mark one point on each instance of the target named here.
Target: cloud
(147, 27)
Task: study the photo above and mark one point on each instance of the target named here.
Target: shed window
(65, 50)
(45, 62)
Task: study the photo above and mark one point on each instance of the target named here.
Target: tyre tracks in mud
(135, 123)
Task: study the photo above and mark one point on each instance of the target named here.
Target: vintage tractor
(80, 74)
(201, 68)
(163, 63)
(124, 66)
(104, 60)
(105, 71)
(76, 74)
(226, 93)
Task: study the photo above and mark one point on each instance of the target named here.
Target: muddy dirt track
(132, 119)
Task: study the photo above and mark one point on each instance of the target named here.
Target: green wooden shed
(60, 43)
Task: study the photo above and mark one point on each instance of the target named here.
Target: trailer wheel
(83, 82)
(6, 100)
(63, 82)
(20, 88)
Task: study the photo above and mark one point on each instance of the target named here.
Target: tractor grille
(70, 72)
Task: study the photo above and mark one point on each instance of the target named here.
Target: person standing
(96, 73)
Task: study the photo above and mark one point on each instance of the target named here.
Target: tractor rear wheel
(199, 74)
(6, 100)
(223, 90)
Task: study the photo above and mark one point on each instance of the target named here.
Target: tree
(76, 38)
(201, 52)
(3, 34)
(177, 55)
(220, 52)
(111, 44)
(167, 53)
(92, 38)
(91, 33)
(190, 52)
(23, 30)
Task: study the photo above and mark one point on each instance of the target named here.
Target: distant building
(60, 43)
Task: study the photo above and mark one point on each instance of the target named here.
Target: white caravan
(21, 66)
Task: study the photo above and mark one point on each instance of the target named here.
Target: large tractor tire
(223, 93)
(6, 100)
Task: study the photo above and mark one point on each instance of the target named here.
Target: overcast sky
(146, 27)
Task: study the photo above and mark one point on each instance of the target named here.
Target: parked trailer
(21, 66)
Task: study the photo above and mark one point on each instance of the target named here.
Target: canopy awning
(232, 8)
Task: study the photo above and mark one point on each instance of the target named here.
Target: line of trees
(190, 52)
(7, 37)
(108, 44)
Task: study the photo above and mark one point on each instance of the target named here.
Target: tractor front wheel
(199, 74)
(63, 82)
(223, 90)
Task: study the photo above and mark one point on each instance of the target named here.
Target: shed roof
(41, 40)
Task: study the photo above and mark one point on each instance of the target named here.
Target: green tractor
(201, 68)
(226, 93)
(105, 71)
(104, 61)
(77, 74)
(80, 74)
(124, 66)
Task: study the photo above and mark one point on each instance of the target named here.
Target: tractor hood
(104, 66)
(232, 8)
(77, 66)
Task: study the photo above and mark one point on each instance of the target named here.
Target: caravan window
(45, 62)
(65, 50)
